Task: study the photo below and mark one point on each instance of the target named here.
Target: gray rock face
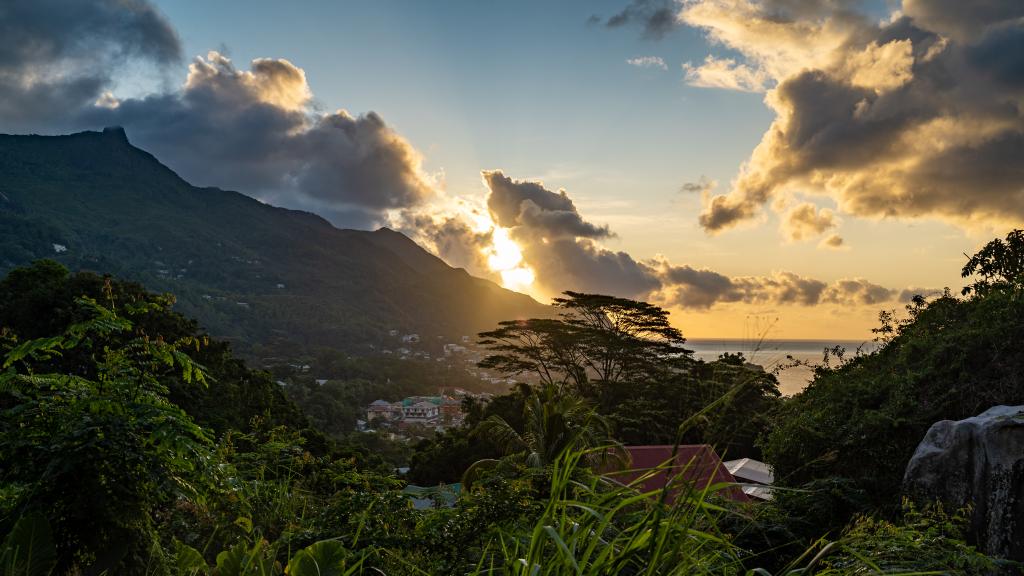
(977, 461)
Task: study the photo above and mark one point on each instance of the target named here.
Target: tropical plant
(97, 452)
(999, 264)
(553, 422)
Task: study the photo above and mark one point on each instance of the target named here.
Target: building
(383, 410)
(757, 476)
(686, 467)
(421, 411)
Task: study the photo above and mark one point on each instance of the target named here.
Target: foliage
(596, 338)
(42, 301)
(921, 541)
(553, 424)
(28, 549)
(101, 456)
(625, 357)
(100, 451)
(999, 265)
(859, 422)
(275, 282)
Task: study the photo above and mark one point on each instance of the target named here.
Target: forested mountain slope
(273, 281)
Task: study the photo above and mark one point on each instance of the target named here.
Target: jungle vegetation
(133, 443)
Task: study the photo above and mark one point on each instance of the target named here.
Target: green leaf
(233, 561)
(188, 560)
(245, 523)
(242, 560)
(28, 549)
(324, 558)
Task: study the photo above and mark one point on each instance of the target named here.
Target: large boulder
(978, 462)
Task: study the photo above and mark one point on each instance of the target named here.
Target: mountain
(271, 280)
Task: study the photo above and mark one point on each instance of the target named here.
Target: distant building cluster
(437, 412)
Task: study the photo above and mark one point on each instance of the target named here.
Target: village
(437, 413)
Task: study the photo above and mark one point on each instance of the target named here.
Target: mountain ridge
(270, 279)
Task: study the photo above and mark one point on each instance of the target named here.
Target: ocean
(772, 354)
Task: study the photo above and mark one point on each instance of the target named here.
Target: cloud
(529, 206)
(917, 116)
(833, 242)
(451, 238)
(648, 62)
(688, 287)
(255, 130)
(725, 73)
(656, 17)
(857, 292)
(571, 258)
(907, 294)
(59, 55)
(961, 21)
(807, 221)
(581, 264)
(702, 186)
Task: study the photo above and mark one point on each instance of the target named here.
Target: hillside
(273, 281)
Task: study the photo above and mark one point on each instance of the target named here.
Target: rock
(979, 462)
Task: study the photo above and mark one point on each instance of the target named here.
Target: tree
(553, 423)
(858, 424)
(999, 264)
(596, 338)
(98, 452)
(42, 300)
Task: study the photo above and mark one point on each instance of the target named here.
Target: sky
(779, 168)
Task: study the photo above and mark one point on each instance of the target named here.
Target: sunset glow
(505, 257)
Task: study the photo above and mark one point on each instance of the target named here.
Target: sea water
(778, 355)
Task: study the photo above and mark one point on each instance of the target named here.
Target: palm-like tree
(553, 422)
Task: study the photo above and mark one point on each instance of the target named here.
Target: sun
(505, 257)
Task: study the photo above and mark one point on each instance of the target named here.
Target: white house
(421, 411)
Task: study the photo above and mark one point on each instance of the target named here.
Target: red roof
(697, 464)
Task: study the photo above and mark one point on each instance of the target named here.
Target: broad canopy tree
(596, 338)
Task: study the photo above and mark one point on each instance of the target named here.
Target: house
(383, 410)
(684, 467)
(756, 474)
(421, 411)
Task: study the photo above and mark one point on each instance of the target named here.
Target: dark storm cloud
(60, 55)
